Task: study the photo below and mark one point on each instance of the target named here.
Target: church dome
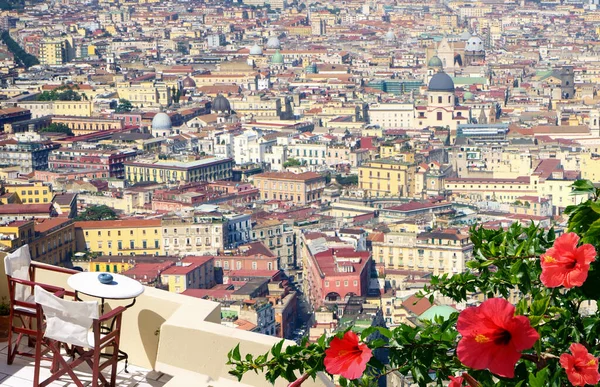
(468, 96)
(189, 82)
(474, 44)
(273, 42)
(161, 121)
(441, 82)
(435, 61)
(390, 36)
(221, 105)
(256, 50)
(277, 58)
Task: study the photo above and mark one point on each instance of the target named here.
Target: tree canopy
(57, 128)
(101, 212)
(21, 55)
(63, 93)
(291, 162)
(124, 106)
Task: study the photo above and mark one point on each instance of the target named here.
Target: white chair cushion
(30, 299)
(17, 265)
(67, 321)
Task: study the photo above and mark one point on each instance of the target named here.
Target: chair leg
(38, 360)
(96, 367)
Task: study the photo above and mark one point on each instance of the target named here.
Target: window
(355, 283)
(439, 116)
(119, 245)
(440, 99)
(337, 283)
(326, 284)
(346, 283)
(254, 266)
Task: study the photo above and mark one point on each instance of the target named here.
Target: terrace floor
(20, 373)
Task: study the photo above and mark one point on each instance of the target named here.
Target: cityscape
(308, 167)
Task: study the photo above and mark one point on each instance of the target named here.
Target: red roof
(26, 208)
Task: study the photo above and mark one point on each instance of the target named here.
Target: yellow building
(120, 237)
(109, 264)
(387, 177)
(56, 51)
(31, 193)
(146, 93)
(301, 188)
(207, 169)
(190, 273)
(436, 252)
(16, 234)
(590, 167)
(54, 241)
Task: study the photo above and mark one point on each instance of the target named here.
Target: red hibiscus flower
(565, 264)
(456, 381)
(347, 357)
(493, 337)
(581, 366)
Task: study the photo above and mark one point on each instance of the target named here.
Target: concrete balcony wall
(179, 335)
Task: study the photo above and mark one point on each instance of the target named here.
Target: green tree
(124, 106)
(21, 56)
(101, 212)
(63, 93)
(57, 128)
(291, 162)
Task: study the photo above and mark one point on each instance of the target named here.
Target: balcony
(172, 340)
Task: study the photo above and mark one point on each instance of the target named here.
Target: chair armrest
(112, 314)
(42, 266)
(49, 288)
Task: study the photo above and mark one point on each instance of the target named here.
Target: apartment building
(278, 238)
(31, 193)
(387, 177)
(109, 161)
(54, 241)
(206, 169)
(301, 189)
(438, 252)
(120, 237)
(187, 237)
(190, 273)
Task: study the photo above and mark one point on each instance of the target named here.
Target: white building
(392, 115)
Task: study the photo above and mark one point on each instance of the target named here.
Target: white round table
(121, 288)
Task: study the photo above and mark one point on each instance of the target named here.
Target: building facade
(301, 189)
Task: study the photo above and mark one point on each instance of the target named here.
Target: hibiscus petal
(566, 242)
(575, 277)
(498, 311)
(469, 322)
(553, 276)
(586, 253)
(499, 359)
(523, 336)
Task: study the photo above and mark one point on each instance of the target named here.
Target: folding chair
(23, 317)
(69, 322)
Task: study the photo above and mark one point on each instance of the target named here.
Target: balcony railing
(179, 336)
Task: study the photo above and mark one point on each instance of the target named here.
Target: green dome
(468, 95)
(277, 58)
(435, 61)
(437, 310)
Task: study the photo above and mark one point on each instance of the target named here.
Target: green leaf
(539, 379)
(236, 353)
(276, 350)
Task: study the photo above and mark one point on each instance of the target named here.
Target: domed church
(441, 109)
(162, 125)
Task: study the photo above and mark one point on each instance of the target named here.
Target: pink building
(334, 275)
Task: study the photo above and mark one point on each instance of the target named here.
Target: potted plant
(4, 319)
